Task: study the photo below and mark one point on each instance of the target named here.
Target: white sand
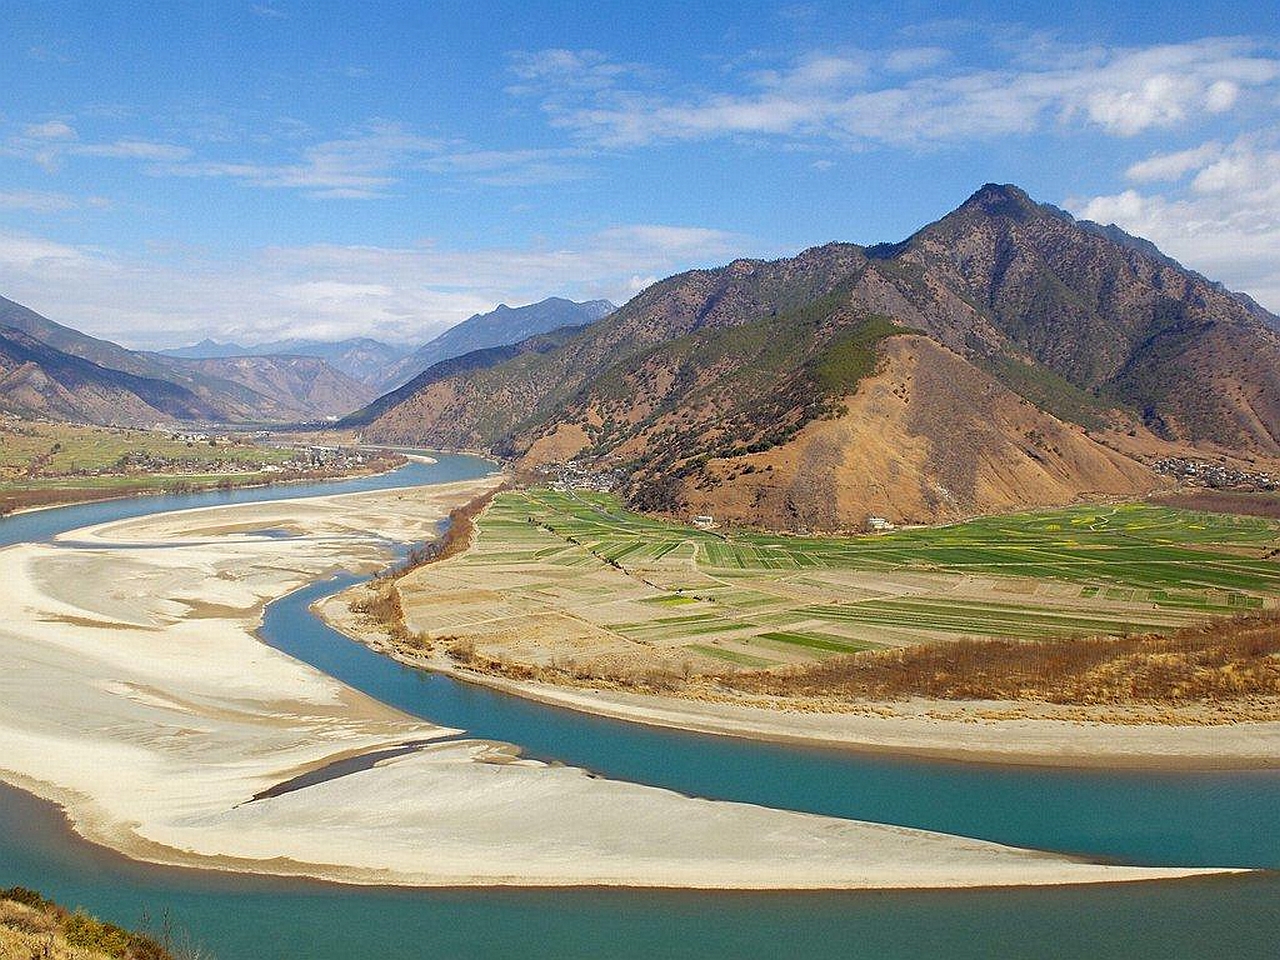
(973, 731)
(135, 694)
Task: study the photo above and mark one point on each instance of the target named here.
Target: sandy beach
(137, 696)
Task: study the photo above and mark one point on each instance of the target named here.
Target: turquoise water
(257, 918)
(1208, 818)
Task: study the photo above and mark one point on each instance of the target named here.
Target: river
(1211, 818)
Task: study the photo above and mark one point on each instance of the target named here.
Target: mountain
(499, 327)
(232, 389)
(1006, 355)
(208, 349)
(37, 380)
(445, 370)
(271, 388)
(361, 358)
(71, 341)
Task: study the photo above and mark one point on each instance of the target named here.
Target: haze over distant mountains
(1003, 356)
(361, 358)
(498, 327)
(384, 365)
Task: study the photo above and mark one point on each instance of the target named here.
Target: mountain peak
(1001, 200)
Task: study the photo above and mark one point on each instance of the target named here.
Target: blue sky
(252, 170)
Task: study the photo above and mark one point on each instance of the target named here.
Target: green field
(752, 599)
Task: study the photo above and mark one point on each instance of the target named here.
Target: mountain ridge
(500, 326)
(364, 359)
(711, 372)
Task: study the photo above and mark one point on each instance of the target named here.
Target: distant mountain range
(47, 369)
(498, 327)
(385, 366)
(361, 358)
(1006, 355)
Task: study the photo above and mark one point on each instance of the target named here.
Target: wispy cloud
(35, 200)
(132, 150)
(1173, 166)
(860, 97)
(367, 161)
(1218, 210)
(513, 168)
(50, 130)
(50, 142)
(327, 290)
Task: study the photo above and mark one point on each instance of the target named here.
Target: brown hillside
(928, 438)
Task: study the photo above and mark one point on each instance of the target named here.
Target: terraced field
(573, 579)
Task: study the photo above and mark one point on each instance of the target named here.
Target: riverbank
(137, 696)
(988, 732)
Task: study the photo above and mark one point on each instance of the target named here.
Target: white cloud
(132, 150)
(1173, 166)
(405, 294)
(914, 59)
(1222, 96)
(512, 168)
(370, 160)
(1121, 91)
(50, 130)
(48, 144)
(362, 164)
(36, 200)
(19, 252)
(1224, 221)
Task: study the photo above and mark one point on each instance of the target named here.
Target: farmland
(572, 581)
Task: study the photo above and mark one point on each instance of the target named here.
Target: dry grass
(33, 928)
(1214, 663)
(380, 603)
(456, 539)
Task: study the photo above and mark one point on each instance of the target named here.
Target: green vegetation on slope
(1050, 391)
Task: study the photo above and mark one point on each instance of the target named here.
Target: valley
(151, 679)
(570, 481)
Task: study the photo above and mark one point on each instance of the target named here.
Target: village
(1217, 476)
